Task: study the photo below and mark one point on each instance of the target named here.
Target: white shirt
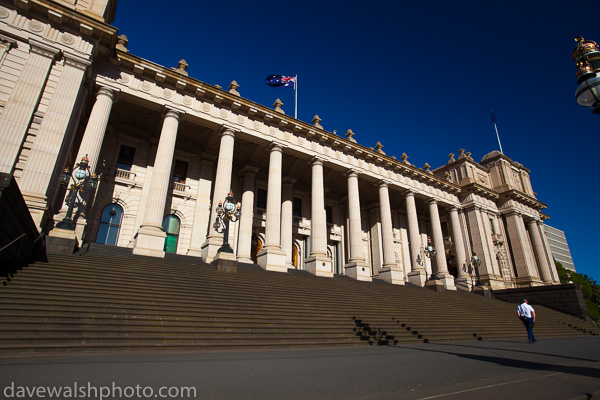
(525, 310)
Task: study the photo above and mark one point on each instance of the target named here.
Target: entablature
(137, 77)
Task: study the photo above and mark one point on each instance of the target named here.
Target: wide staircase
(105, 298)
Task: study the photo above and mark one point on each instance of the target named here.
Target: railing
(180, 187)
(19, 239)
(124, 174)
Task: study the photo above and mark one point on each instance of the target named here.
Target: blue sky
(421, 77)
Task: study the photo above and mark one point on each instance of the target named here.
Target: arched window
(110, 224)
(171, 228)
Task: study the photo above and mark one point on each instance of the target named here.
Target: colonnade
(276, 253)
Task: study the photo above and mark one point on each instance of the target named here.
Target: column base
(359, 271)
(495, 282)
(319, 265)
(272, 259)
(393, 276)
(528, 281)
(417, 278)
(150, 242)
(463, 284)
(211, 247)
(447, 280)
(194, 252)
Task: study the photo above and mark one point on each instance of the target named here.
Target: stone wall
(566, 298)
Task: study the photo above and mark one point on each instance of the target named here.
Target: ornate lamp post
(226, 211)
(430, 252)
(587, 60)
(476, 262)
(84, 181)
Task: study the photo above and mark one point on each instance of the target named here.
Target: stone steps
(107, 299)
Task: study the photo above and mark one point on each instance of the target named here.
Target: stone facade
(167, 148)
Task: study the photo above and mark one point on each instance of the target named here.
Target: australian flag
(280, 81)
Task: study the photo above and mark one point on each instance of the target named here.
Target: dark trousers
(528, 322)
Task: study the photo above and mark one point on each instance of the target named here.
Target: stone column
(318, 263)
(538, 247)
(49, 149)
(90, 146)
(150, 237)
(222, 187)
(202, 209)
(356, 267)
(287, 219)
(417, 275)
(390, 271)
(244, 249)
(22, 102)
(271, 257)
(463, 281)
(523, 255)
(441, 270)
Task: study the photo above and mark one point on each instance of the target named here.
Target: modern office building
(167, 149)
(559, 247)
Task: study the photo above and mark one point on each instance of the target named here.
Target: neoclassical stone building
(168, 147)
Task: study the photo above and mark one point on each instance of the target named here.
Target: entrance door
(110, 225)
(171, 228)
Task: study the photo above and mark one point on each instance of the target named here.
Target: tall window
(180, 171)
(261, 199)
(110, 225)
(125, 160)
(171, 228)
(297, 208)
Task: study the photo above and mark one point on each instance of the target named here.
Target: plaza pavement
(565, 368)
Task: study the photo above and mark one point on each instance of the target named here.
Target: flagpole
(497, 134)
(296, 99)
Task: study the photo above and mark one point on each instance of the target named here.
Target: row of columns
(276, 254)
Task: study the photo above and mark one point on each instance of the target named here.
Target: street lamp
(84, 181)
(476, 262)
(226, 211)
(430, 252)
(587, 60)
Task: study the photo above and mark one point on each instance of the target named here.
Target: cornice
(144, 69)
(522, 198)
(92, 26)
(481, 190)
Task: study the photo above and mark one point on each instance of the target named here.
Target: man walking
(526, 314)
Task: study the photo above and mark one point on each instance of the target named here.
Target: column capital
(7, 42)
(170, 112)
(455, 209)
(76, 61)
(351, 173)
(409, 193)
(288, 180)
(383, 183)
(432, 200)
(107, 91)
(274, 146)
(227, 130)
(43, 49)
(249, 170)
(316, 161)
